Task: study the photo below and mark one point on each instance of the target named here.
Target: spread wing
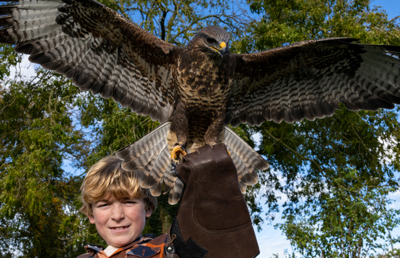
(309, 79)
(96, 47)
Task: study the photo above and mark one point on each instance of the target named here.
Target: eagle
(197, 91)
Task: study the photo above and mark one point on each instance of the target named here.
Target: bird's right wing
(309, 79)
(98, 48)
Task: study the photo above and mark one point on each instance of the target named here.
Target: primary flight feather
(196, 91)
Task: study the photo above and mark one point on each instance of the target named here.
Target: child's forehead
(113, 197)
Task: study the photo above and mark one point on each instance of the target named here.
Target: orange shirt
(145, 247)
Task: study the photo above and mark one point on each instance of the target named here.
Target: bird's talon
(177, 152)
(211, 145)
(173, 168)
(228, 153)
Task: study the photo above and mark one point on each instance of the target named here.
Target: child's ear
(148, 212)
(91, 219)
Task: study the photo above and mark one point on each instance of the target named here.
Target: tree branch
(294, 151)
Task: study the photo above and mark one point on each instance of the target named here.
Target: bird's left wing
(309, 79)
(96, 47)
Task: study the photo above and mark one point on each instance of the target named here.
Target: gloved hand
(213, 219)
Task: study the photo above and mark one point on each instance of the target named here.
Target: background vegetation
(334, 174)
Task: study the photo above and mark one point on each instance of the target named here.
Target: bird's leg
(214, 129)
(178, 135)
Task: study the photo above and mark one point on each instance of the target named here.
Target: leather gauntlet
(213, 219)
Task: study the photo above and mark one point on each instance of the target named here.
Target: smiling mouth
(119, 228)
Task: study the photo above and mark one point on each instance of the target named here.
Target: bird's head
(212, 40)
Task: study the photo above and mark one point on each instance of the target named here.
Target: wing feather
(309, 79)
(96, 47)
(150, 159)
(175, 194)
(247, 161)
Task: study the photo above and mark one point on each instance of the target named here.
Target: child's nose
(117, 212)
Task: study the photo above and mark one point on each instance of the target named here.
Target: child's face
(119, 222)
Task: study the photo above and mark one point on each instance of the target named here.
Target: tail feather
(245, 158)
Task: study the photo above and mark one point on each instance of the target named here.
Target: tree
(46, 122)
(335, 172)
(37, 132)
(351, 216)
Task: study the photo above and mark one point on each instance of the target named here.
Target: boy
(114, 201)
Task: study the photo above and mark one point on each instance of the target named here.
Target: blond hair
(106, 178)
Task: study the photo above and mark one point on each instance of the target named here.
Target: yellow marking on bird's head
(222, 45)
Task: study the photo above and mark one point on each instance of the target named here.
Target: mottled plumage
(196, 91)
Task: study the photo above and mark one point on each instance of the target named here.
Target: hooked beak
(222, 47)
(221, 50)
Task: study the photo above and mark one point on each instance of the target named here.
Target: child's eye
(102, 205)
(130, 201)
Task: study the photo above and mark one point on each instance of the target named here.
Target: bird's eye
(211, 41)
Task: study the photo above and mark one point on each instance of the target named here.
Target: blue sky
(270, 240)
(392, 7)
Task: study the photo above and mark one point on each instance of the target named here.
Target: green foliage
(37, 134)
(286, 22)
(7, 58)
(178, 21)
(349, 219)
(391, 254)
(337, 172)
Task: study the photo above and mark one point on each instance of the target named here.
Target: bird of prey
(198, 90)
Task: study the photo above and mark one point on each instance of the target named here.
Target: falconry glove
(213, 219)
